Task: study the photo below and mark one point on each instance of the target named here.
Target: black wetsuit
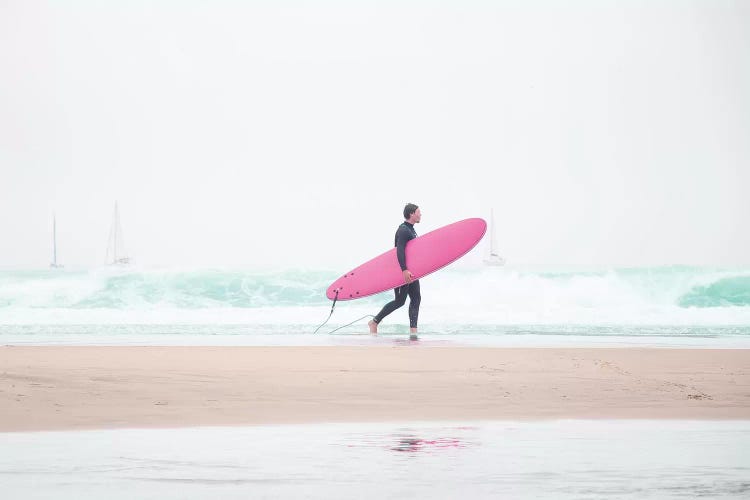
(404, 234)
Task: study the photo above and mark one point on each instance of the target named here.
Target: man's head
(412, 214)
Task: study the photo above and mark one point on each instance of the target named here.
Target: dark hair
(409, 209)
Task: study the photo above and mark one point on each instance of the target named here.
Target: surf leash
(331, 314)
(350, 324)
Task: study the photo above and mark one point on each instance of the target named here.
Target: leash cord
(350, 324)
(331, 314)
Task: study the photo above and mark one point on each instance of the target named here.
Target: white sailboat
(494, 258)
(116, 255)
(54, 264)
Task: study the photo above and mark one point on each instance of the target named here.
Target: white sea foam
(660, 307)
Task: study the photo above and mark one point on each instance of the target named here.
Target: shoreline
(86, 387)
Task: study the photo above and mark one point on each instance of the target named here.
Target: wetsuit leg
(401, 293)
(415, 297)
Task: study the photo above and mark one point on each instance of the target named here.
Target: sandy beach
(68, 388)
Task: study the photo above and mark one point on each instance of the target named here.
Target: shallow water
(300, 335)
(543, 459)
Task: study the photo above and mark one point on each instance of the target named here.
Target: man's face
(416, 216)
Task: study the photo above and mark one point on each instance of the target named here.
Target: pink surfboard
(424, 255)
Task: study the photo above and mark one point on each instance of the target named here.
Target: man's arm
(402, 238)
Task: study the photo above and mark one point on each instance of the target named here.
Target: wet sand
(68, 388)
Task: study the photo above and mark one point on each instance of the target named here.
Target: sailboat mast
(116, 256)
(117, 227)
(54, 240)
(492, 231)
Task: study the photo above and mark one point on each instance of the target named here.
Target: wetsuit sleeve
(402, 238)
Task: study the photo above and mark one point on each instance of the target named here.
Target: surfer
(404, 234)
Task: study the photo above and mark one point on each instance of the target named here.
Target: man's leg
(415, 297)
(391, 306)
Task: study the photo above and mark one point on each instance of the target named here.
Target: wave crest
(734, 291)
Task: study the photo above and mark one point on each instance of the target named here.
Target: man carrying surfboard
(404, 234)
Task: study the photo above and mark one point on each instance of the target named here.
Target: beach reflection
(571, 459)
(409, 443)
(421, 441)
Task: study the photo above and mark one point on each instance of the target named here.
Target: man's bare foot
(413, 334)
(373, 327)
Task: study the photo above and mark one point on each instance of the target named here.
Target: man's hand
(407, 276)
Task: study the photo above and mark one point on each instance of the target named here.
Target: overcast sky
(291, 133)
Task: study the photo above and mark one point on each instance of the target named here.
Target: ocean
(661, 306)
(560, 459)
